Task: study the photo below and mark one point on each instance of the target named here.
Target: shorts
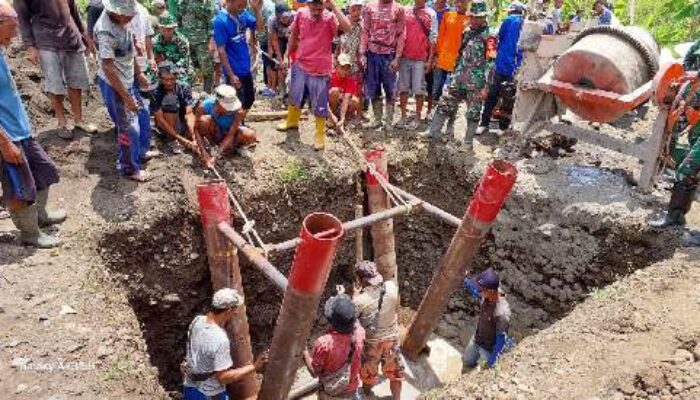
(380, 76)
(38, 172)
(309, 87)
(64, 69)
(388, 354)
(246, 93)
(412, 77)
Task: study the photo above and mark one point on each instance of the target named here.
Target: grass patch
(293, 172)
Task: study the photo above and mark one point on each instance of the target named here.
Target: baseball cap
(367, 271)
(344, 59)
(227, 97)
(488, 279)
(159, 3)
(281, 8)
(339, 310)
(517, 6)
(356, 3)
(226, 298)
(121, 7)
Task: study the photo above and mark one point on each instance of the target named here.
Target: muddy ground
(590, 285)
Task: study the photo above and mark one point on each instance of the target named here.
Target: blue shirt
(222, 121)
(605, 17)
(509, 56)
(13, 116)
(229, 31)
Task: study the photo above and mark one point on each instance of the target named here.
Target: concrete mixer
(599, 74)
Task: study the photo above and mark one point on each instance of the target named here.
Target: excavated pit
(552, 249)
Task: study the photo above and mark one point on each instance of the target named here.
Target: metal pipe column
(483, 208)
(383, 231)
(307, 279)
(225, 272)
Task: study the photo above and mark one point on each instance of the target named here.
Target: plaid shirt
(383, 28)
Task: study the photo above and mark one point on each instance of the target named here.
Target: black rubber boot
(682, 197)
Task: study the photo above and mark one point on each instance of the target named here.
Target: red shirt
(330, 353)
(347, 85)
(315, 50)
(419, 28)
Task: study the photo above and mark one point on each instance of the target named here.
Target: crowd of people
(341, 62)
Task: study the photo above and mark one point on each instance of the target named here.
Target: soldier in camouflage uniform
(196, 26)
(171, 45)
(687, 157)
(470, 78)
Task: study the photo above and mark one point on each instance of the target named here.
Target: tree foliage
(670, 21)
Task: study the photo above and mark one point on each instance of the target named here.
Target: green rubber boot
(48, 216)
(26, 219)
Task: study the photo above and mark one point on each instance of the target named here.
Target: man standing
(377, 303)
(278, 31)
(313, 31)
(558, 16)
(196, 25)
(172, 109)
(26, 171)
(158, 10)
(220, 121)
(447, 48)
(207, 368)
(421, 27)
(335, 358)
(491, 336)
(55, 37)
(469, 83)
(171, 45)
(93, 11)
(117, 78)
(691, 61)
(230, 26)
(508, 59)
(381, 49)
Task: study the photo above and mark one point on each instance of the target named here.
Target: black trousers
(492, 100)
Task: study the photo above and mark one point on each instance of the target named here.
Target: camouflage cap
(478, 9)
(167, 21)
(121, 7)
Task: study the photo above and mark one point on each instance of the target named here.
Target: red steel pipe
(483, 208)
(225, 272)
(307, 279)
(382, 231)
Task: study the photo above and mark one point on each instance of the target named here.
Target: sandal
(141, 177)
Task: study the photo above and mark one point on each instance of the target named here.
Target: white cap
(159, 3)
(344, 59)
(228, 97)
(226, 298)
(357, 3)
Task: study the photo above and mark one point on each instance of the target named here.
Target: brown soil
(133, 269)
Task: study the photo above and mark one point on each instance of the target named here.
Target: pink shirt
(315, 50)
(330, 353)
(421, 25)
(383, 28)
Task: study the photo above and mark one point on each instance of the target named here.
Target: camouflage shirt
(195, 20)
(473, 63)
(177, 51)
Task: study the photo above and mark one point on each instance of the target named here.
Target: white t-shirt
(208, 350)
(142, 27)
(115, 42)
